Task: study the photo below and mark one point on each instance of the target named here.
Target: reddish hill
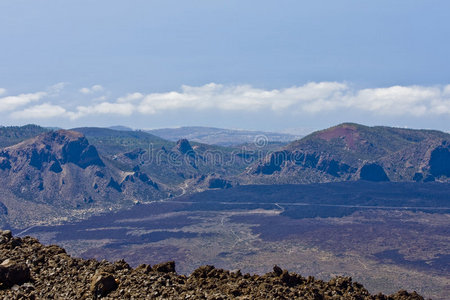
(352, 151)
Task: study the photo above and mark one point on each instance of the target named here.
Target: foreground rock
(31, 270)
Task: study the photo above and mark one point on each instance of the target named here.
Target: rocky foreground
(30, 270)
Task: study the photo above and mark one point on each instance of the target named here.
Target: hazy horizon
(274, 66)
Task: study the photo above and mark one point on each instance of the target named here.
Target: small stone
(277, 270)
(7, 234)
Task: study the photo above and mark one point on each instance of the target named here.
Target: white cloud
(104, 108)
(310, 98)
(397, 100)
(130, 97)
(2, 91)
(42, 111)
(13, 102)
(93, 89)
(241, 97)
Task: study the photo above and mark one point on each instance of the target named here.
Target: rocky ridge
(356, 152)
(30, 270)
(60, 171)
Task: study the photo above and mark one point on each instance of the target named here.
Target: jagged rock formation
(58, 172)
(439, 161)
(210, 181)
(352, 152)
(31, 270)
(184, 147)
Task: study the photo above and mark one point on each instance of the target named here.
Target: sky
(285, 65)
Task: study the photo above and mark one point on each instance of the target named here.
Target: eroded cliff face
(59, 171)
(30, 270)
(355, 152)
(439, 162)
(280, 160)
(51, 151)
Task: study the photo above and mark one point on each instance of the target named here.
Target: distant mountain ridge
(351, 151)
(220, 136)
(48, 175)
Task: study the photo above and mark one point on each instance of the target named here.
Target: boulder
(167, 267)
(12, 273)
(102, 283)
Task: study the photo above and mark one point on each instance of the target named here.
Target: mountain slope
(62, 174)
(352, 151)
(167, 161)
(59, 173)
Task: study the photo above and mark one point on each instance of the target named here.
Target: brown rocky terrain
(30, 270)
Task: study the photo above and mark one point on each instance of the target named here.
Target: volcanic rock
(218, 183)
(167, 267)
(440, 161)
(58, 172)
(12, 273)
(341, 153)
(373, 172)
(184, 146)
(35, 271)
(102, 283)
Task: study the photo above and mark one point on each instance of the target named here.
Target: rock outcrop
(58, 172)
(440, 161)
(341, 153)
(218, 183)
(184, 147)
(31, 270)
(373, 172)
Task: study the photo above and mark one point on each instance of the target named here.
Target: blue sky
(270, 65)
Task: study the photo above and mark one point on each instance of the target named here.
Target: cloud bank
(13, 102)
(311, 98)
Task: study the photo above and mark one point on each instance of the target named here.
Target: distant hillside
(223, 137)
(120, 127)
(11, 135)
(351, 151)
